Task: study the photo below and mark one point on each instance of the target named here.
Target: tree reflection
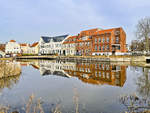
(143, 83)
(139, 103)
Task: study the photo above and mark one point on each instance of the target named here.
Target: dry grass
(35, 106)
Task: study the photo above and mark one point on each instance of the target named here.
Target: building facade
(84, 42)
(69, 46)
(101, 42)
(109, 42)
(12, 47)
(24, 48)
(34, 48)
(51, 45)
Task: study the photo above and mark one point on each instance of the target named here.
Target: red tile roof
(34, 44)
(23, 44)
(12, 41)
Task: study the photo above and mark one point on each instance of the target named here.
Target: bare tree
(143, 31)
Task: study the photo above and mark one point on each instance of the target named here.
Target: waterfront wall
(91, 58)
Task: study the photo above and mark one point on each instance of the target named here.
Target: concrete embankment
(91, 58)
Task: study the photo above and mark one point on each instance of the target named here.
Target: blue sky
(27, 20)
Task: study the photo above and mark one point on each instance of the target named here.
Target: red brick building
(84, 42)
(98, 42)
(108, 42)
(101, 42)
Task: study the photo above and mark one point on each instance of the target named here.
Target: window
(99, 74)
(95, 40)
(96, 47)
(88, 43)
(107, 67)
(103, 39)
(107, 47)
(118, 47)
(103, 47)
(107, 39)
(99, 48)
(117, 39)
(99, 66)
(99, 39)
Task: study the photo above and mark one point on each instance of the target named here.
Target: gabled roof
(34, 44)
(55, 39)
(23, 44)
(12, 41)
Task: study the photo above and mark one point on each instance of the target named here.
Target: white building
(12, 47)
(51, 45)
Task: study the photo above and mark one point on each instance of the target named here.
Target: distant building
(24, 48)
(12, 47)
(34, 48)
(2, 50)
(51, 45)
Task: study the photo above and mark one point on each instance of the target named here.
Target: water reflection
(143, 83)
(9, 74)
(91, 73)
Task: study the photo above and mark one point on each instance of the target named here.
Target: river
(71, 87)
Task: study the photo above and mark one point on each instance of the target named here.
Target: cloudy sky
(27, 20)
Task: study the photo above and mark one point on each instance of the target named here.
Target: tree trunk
(147, 44)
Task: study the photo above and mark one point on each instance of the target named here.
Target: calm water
(89, 87)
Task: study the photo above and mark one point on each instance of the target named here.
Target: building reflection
(99, 73)
(9, 74)
(91, 73)
(53, 68)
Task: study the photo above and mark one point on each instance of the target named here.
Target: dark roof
(57, 73)
(55, 39)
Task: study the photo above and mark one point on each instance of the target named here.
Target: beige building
(24, 48)
(34, 48)
(69, 47)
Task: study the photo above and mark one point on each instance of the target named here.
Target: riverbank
(7, 58)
